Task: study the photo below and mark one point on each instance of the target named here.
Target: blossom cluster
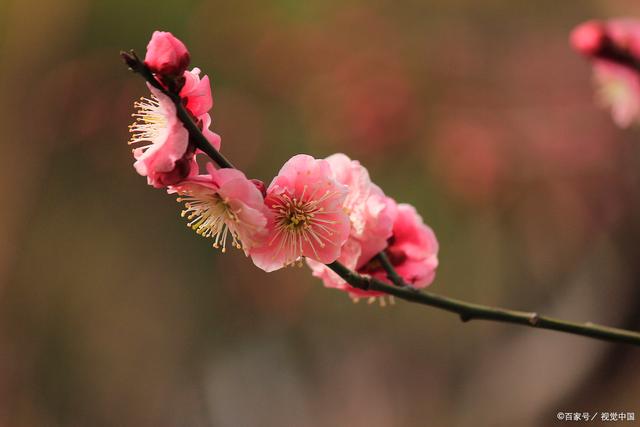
(613, 46)
(314, 210)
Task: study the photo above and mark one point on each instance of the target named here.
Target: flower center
(211, 216)
(149, 123)
(297, 216)
(301, 221)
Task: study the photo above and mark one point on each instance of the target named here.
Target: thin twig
(466, 310)
(392, 274)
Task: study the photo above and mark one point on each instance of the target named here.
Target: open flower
(166, 55)
(614, 47)
(224, 204)
(163, 156)
(306, 218)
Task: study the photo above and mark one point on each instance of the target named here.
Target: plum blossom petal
(213, 138)
(306, 215)
(196, 93)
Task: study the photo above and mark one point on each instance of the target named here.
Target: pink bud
(587, 38)
(166, 54)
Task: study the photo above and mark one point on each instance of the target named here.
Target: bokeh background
(112, 313)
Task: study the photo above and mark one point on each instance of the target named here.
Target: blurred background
(113, 313)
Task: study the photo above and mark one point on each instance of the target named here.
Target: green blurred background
(112, 313)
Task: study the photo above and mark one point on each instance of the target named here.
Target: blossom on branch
(614, 48)
(306, 215)
(166, 55)
(371, 215)
(224, 204)
(412, 250)
(167, 156)
(196, 95)
(163, 157)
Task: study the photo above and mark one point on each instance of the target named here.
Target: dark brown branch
(467, 311)
(470, 311)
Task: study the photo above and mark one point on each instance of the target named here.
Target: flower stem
(392, 274)
(466, 310)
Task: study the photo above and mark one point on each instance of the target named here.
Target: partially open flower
(371, 215)
(196, 94)
(166, 55)
(614, 48)
(306, 218)
(412, 250)
(224, 204)
(163, 156)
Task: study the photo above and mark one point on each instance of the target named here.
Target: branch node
(533, 319)
(130, 59)
(465, 317)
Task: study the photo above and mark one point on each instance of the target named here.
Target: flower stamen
(149, 122)
(211, 216)
(299, 221)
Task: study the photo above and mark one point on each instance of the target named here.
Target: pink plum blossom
(614, 47)
(619, 90)
(412, 250)
(370, 212)
(371, 215)
(223, 203)
(196, 94)
(166, 55)
(164, 156)
(306, 217)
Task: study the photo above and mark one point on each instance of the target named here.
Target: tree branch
(470, 311)
(466, 310)
(392, 274)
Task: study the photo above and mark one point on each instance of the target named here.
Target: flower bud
(588, 37)
(166, 55)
